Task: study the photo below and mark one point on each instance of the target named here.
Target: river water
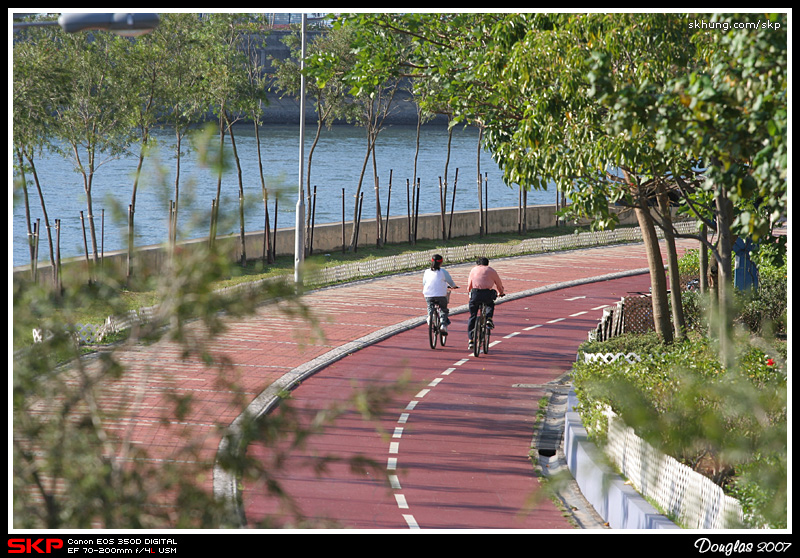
(336, 164)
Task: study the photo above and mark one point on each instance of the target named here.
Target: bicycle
(481, 333)
(435, 333)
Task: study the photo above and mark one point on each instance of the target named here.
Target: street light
(299, 221)
(122, 24)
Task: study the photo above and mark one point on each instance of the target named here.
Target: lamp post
(299, 237)
(121, 24)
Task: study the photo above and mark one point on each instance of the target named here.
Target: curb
(225, 484)
(616, 502)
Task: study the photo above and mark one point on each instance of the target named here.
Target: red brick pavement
(264, 348)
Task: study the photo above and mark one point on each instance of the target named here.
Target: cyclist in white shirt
(435, 282)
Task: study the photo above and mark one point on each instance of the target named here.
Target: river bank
(336, 167)
(328, 238)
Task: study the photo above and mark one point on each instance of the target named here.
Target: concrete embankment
(327, 238)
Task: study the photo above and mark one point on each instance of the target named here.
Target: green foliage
(763, 310)
(75, 467)
(728, 110)
(646, 343)
(729, 424)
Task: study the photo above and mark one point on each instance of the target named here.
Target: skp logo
(31, 546)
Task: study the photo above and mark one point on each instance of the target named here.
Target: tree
(563, 132)
(38, 87)
(372, 93)
(330, 95)
(258, 81)
(184, 40)
(92, 119)
(730, 113)
(523, 78)
(143, 64)
(229, 98)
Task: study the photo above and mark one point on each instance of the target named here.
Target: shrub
(729, 424)
(762, 310)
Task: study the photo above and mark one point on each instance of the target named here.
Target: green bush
(640, 343)
(763, 310)
(729, 424)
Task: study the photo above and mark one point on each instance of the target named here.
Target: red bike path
(462, 455)
(452, 450)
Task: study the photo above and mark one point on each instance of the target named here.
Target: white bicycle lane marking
(394, 446)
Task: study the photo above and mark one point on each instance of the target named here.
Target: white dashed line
(578, 314)
(394, 447)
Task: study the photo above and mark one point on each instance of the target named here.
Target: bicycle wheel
(477, 333)
(487, 333)
(433, 328)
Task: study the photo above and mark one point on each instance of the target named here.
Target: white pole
(299, 240)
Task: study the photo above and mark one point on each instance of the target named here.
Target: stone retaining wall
(327, 238)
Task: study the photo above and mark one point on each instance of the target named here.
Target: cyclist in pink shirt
(484, 285)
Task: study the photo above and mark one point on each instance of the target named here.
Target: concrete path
(271, 351)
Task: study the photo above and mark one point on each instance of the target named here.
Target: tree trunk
(658, 280)
(481, 224)
(44, 208)
(132, 212)
(704, 268)
(309, 216)
(678, 320)
(237, 161)
(218, 199)
(27, 206)
(266, 251)
(724, 257)
(354, 234)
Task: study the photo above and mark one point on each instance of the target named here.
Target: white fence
(405, 262)
(692, 498)
(409, 261)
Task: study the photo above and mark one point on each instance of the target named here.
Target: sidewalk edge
(225, 485)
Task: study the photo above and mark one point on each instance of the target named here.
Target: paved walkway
(271, 350)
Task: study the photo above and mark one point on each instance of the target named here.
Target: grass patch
(105, 299)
